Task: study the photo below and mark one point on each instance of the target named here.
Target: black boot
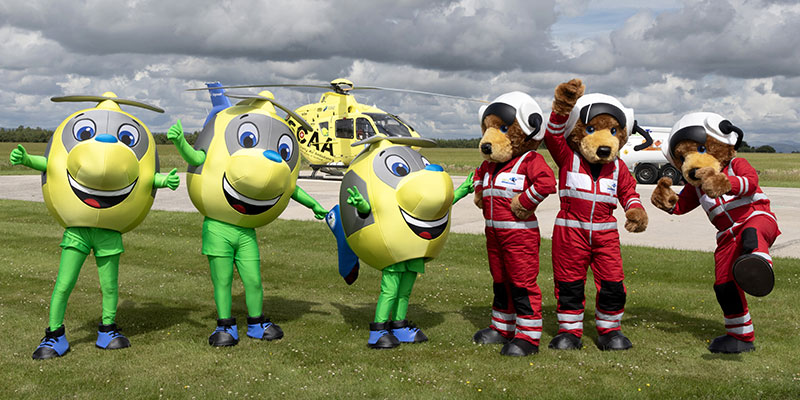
(566, 341)
(489, 336)
(613, 340)
(753, 274)
(730, 345)
(226, 333)
(519, 348)
(380, 337)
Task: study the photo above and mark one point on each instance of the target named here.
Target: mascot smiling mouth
(99, 198)
(243, 204)
(426, 229)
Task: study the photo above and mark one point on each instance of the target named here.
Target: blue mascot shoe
(109, 338)
(380, 337)
(54, 344)
(262, 328)
(226, 333)
(407, 332)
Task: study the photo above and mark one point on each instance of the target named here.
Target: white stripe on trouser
(741, 330)
(607, 321)
(529, 323)
(531, 334)
(503, 327)
(763, 255)
(570, 321)
(738, 321)
(503, 316)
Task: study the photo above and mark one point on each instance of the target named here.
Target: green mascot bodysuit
(242, 172)
(395, 213)
(99, 175)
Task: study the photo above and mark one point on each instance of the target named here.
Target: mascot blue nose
(273, 156)
(105, 138)
(434, 167)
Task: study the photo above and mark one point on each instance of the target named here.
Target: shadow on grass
(277, 309)
(358, 316)
(136, 319)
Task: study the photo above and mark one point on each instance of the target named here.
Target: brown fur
(707, 167)
(566, 95)
(663, 196)
(505, 146)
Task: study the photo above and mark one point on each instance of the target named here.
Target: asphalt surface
(692, 231)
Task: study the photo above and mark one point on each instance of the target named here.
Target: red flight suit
(513, 244)
(744, 207)
(585, 233)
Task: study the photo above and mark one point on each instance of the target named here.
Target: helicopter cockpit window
(344, 128)
(364, 129)
(389, 125)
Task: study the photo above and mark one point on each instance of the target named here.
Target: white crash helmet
(699, 125)
(591, 105)
(519, 106)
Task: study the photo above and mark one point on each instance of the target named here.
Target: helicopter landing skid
(330, 172)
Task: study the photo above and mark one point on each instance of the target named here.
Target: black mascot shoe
(754, 275)
(519, 348)
(613, 340)
(381, 337)
(226, 333)
(566, 341)
(730, 345)
(489, 336)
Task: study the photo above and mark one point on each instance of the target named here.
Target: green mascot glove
(171, 180)
(357, 200)
(192, 156)
(305, 199)
(464, 189)
(21, 156)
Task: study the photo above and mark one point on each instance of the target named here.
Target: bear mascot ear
(727, 127)
(535, 124)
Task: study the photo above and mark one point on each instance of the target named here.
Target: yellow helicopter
(337, 120)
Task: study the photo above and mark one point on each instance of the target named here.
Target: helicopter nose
(434, 167)
(486, 148)
(603, 151)
(105, 138)
(273, 156)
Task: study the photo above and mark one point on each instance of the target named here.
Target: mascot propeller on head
(584, 136)
(99, 175)
(394, 214)
(511, 183)
(242, 172)
(703, 146)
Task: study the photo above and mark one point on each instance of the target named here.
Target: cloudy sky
(739, 58)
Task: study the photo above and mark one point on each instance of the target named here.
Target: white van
(650, 164)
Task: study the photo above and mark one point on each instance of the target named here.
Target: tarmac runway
(692, 231)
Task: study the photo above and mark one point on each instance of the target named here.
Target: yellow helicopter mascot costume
(242, 172)
(394, 210)
(99, 179)
(512, 181)
(703, 146)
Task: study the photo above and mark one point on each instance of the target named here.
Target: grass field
(774, 169)
(167, 311)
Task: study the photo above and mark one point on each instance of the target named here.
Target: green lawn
(167, 311)
(774, 169)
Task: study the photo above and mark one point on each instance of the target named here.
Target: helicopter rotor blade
(287, 110)
(419, 92)
(83, 98)
(263, 86)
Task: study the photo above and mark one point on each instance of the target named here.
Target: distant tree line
(745, 148)
(24, 134)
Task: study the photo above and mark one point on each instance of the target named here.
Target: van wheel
(646, 173)
(672, 173)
